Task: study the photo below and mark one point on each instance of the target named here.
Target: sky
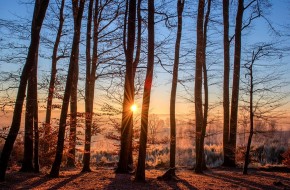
(280, 15)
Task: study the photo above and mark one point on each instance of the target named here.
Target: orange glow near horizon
(134, 108)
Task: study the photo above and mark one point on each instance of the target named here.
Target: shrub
(213, 155)
(286, 157)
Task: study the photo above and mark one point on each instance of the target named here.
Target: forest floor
(105, 178)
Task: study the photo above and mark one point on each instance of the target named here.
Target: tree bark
(35, 118)
(226, 96)
(27, 164)
(127, 115)
(205, 81)
(247, 155)
(90, 81)
(135, 65)
(236, 85)
(73, 119)
(53, 78)
(198, 85)
(78, 8)
(38, 17)
(140, 172)
(180, 6)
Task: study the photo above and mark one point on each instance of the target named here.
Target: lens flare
(133, 108)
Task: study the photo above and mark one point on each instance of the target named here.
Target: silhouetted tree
(263, 91)
(30, 113)
(240, 25)
(226, 83)
(231, 151)
(78, 8)
(205, 85)
(198, 82)
(127, 115)
(53, 71)
(140, 172)
(38, 17)
(35, 119)
(250, 68)
(171, 172)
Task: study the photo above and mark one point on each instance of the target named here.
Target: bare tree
(169, 174)
(127, 115)
(226, 83)
(201, 130)
(198, 82)
(180, 6)
(51, 87)
(263, 92)
(250, 68)
(154, 126)
(102, 27)
(231, 151)
(30, 114)
(78, 8)
(35, 119)
(38, 17)
(240, 25)
(140, 172)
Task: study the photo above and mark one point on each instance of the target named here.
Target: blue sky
(10, 8)
(280, 15)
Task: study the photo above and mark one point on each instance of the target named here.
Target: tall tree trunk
(90, 81)
(127, 115)
(27, 164)
(198, 85)
(236, 85)
(135, 65)
(38, 17)
(31, 122)
(35, 118)
(78, 8)
(36, 140)
(73, 112)
(180, 5)
(205, 81)
(73, 119)
(226, 96)
(140, 172)
(53, 78)
(247, 155)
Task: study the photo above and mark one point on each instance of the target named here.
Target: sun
(133, 108)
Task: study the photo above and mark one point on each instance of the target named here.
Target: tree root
(168, 175)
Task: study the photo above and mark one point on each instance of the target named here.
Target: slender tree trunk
(38, 17)
(139, 33)
(226, 96)
(73, 119)
(90, 81)
(86, 157)
(36, 140)
(27, 165)
(247, 155)
(53, 78)
(236, 85)
(180, 5)
(78, 8)
(73, 112)
(31, 112)
(198, 86)
(35, 118)
(135, 64)
(127, 115)
(140, 172)
(205, 81)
